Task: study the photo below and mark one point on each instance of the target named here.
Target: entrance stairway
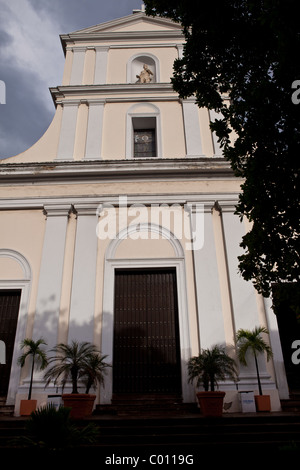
(149, 405)
(292, 404)
(249, 436)
(5, 410)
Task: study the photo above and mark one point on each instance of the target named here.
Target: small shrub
(51, 429)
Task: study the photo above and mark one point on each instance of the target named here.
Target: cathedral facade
(118, 226)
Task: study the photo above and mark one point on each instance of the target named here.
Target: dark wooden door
(9, 311)
(146, 356)
(286, 303)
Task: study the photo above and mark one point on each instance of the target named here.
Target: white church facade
(118, 225)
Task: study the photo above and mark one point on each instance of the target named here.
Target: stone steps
(271, 434)
(292, 404)
(151, 405)
(5, 410)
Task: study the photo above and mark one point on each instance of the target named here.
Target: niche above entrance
(143, 63)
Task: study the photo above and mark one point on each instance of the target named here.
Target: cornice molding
(111, 37)
(62, 92)
(115, 170)
(93, 205)
(104, 47)
(131, 19)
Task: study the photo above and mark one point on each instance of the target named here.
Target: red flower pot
(81, 404)
(262, 402)
(211, 403)
(27, 407)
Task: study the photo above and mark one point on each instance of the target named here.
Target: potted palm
(94, 371)
(75, 362)
(208, 368)
(251, 341)
(32, 349)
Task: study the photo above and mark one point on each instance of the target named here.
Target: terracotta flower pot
(262, 402)
(27, 407)
(211, 403)
(81, 404)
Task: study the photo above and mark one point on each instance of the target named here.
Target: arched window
(143, 131)
(136, 65)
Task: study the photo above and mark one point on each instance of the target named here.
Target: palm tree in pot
(32, 349)
(94, 371)
(251, 341)
(207, 369)
(73, 362)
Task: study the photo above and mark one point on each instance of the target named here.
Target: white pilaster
(94, 130)
(243, 293)
(278, 359)
(81, 321)
(101, 64)
(77, 65)
(67, 131)
(180, 51)
(51, 272)
(217, 149)
(192, 128)
(209, 304)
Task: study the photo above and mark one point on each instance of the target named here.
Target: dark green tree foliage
(248, 51)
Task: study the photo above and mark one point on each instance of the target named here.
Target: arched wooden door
(146, 350)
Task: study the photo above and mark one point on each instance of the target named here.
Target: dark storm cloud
(24, 118)
(32, 60)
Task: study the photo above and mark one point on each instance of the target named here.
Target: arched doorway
(9, 312)
(144, 270)
(15, 280)
(146, 351)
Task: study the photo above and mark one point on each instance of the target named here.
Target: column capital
(225, 206)
(96, 102)
(78, 48)
(90, 209)
(54, 210)
(101, 48)
(199, 206)
(71, 102)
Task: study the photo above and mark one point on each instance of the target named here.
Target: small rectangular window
(144, 137)
(144, 143)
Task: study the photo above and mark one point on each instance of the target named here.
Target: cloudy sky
(32, 60)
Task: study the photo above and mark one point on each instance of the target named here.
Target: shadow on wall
(52, 326)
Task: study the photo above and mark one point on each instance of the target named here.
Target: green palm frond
(94, 371)
(33, 349)
(72, 362)
(211, 366)
(252, 341)
(39, 357)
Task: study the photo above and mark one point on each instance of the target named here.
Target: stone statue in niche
(145, 76)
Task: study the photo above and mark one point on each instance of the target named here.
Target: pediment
(135, 22)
